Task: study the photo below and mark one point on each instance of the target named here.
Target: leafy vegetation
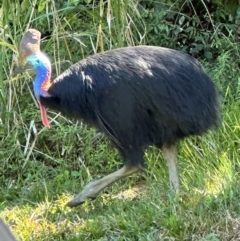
(42, 169)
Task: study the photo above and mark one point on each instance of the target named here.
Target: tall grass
(41, 169)
(71, 33)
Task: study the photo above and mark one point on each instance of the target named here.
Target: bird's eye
(38, 61)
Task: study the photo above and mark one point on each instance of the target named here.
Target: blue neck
(42, 73)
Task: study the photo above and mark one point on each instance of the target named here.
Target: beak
(20, 69)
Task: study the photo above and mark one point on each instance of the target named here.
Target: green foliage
(201, 28)
(40, 169)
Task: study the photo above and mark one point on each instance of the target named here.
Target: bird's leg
(169, 153)
(92, 189)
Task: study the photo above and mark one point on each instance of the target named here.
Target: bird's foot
(93, 188)
(89, 192)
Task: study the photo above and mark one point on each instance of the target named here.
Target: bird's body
(138, 96)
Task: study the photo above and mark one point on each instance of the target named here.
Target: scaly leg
(92, 189)
(169, 153)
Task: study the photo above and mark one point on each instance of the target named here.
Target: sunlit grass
(154, 213)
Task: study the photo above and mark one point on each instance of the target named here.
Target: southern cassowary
(138, 96)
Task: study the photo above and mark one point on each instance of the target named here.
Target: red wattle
(44, 116)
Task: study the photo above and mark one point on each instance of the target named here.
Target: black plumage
(138, 96)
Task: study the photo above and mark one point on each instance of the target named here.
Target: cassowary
(138, 96)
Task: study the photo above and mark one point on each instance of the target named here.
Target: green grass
(41, 169)
(207, 208)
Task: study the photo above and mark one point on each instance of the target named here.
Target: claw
(76, 201)
(89, 192)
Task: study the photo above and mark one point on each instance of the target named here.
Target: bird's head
(31, 57)
(41, 65)
(38, 62)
